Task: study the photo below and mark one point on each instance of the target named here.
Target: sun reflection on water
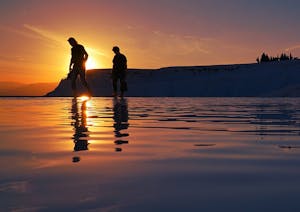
(84, 98)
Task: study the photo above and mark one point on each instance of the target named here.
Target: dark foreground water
(149, 154)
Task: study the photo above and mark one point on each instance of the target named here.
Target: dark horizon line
(154, 96)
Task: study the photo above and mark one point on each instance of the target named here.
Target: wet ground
(150, 154)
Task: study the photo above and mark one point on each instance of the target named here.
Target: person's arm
(70, 69)
(71, 61)
(85, 55)
(71, 65)
(125, 62)
(114, 63)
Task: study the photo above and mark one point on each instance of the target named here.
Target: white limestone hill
(270, 79)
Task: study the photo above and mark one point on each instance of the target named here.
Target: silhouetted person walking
(119, 71)
(77, 65)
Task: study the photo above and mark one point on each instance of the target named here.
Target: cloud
(58, 39)
(184, 44)
(7, 58)
(17, 187)
(292, 48)
(46, 35)
(95, 51)
(36, 33)
(169, 42)
(17, 31)
(172, 43)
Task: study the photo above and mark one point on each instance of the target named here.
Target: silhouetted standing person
(77, 65)
(119, 71)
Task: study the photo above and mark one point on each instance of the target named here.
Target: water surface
(149, 154)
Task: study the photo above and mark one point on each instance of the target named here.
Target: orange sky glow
(152, 34)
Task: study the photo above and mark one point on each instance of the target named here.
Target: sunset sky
(150, 33)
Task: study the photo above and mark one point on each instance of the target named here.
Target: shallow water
(150, 154)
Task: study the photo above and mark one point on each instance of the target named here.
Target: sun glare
(84, 98)
(91, 63)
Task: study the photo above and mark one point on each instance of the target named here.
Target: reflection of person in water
(120, 120)
(80, 127)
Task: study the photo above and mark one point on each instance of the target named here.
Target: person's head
(116, 49)
(72, 41)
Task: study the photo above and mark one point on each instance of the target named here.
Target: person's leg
(73, 83)
(114, 77)
(122, 87)
(123, 83)
(83, 80)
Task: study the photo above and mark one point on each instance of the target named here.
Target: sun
(91, 63)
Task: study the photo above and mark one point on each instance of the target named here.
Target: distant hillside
(248, 80)
(9, 85)
(19, 89)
